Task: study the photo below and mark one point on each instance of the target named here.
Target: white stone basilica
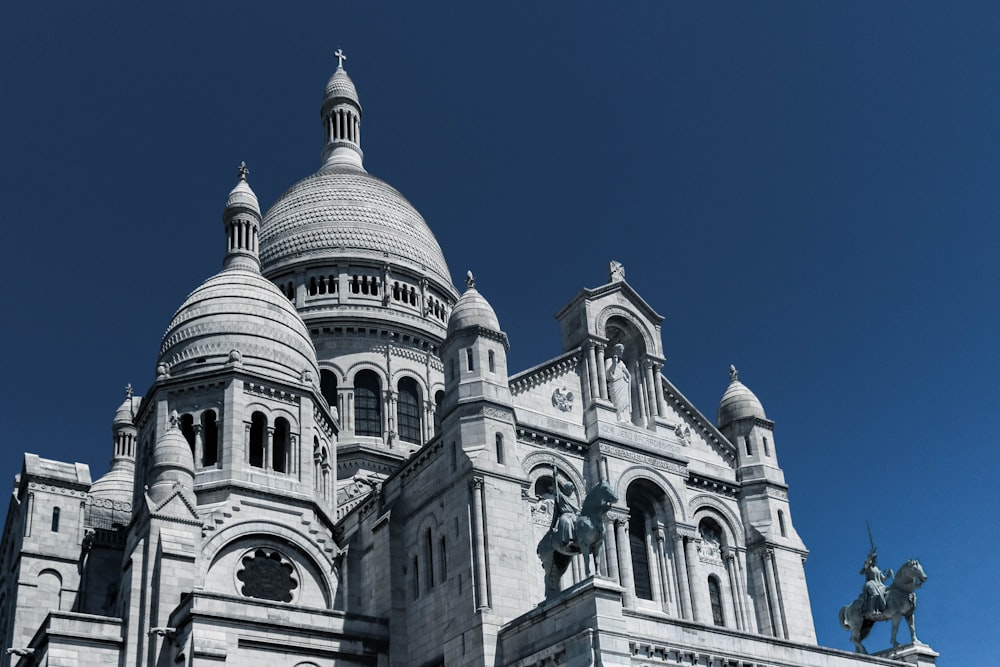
(334, 466)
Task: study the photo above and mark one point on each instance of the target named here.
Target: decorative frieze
(543, 374)
(643, 459)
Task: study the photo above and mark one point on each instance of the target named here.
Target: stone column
(246, 444)
(611, 551)
(682, 577)
(728, 558)
(773, 594)
(293, 456)
(661, 404)
(268, 445)
(650, 390)
(479, 537)
(199, 445)
(661, 568)
(592, 371)
(692, 576)
(602, 374)
(750, 617)
(625, 560)
(585, 381)
(639, 382)
(655, 580)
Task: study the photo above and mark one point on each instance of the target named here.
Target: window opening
(408, 410)
(367, 404)
(258, 426)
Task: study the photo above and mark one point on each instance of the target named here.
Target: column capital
(477, 483)
(617, 516)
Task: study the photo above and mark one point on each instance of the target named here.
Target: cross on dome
(128, 390)
(734, 374)
(339, 55)
(244, 171)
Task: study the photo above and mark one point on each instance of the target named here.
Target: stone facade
(334, 466)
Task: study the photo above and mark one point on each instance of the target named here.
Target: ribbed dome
(472, 310)
(738, 402)
(344, 213)
(341, 86)
(238, 317)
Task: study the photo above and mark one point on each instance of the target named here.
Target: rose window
(268, 575)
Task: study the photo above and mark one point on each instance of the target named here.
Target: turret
(341, 114)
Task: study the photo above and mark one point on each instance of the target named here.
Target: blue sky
(805, 190)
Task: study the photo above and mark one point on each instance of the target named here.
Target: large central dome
(342, 211)
(342, 215)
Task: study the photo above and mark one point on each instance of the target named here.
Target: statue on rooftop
(879, 602)
(573, 531)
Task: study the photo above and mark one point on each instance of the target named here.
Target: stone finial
(174, 419)
(235, 357)
(339, 55)
(734, 374)
(162, 370)
(243, 171)
(470, 280)
(128, 391)
(616, 271)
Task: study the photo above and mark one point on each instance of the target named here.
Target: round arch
(708, 506)
(635, 473)
(612, 311)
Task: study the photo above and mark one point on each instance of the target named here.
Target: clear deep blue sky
(807, 190)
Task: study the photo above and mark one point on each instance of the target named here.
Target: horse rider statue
(872, 598)
(564, 512)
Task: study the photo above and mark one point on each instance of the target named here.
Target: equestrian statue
(878, 602)
(573, 530)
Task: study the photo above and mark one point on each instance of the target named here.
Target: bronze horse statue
(900, 602)
(588, 537)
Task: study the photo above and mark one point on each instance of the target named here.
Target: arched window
(187, 428)
(416, 577)
(500, 448)
(328, 386)
(55, 519)
(544, 488)
(438, 400)
(746, 442)
(443, 559)
(280, 445)
(767, 450)
(408, 410)
(367, 404)
(492, 362)
(640, 554)
(210, 435)
(715, 596)
(429, 558)
(781, 523)
(468, 359)
(258, 429)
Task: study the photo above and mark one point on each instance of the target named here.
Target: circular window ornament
(267, 574)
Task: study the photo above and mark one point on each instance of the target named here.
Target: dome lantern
(242, 220)
(341, 113)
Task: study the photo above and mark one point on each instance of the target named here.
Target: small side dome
(172, 462)
(738, 402)
(472, 310)
(238, 318)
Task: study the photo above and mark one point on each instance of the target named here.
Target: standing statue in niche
(619, 383)
(564, 512)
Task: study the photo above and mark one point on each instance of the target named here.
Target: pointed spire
(341, 113)
(242, 222)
